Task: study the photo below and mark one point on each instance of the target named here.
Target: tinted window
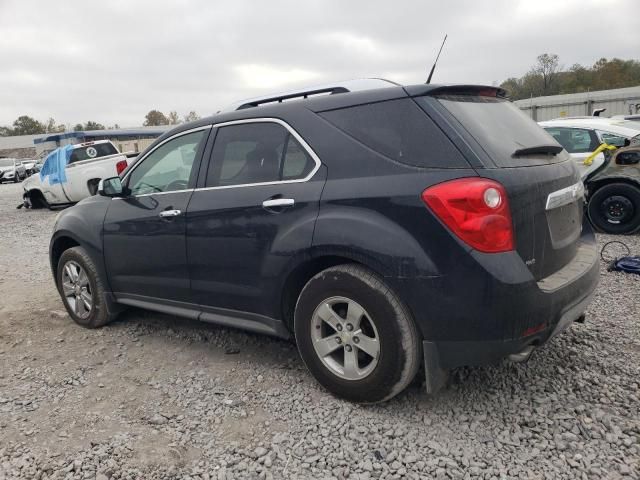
(256, 153)
(399, 130)
(499, 127)
(574, 140)
(168, 167)
(92, 151)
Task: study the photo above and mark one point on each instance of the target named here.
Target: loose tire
(615, 208)
(355, 336)
(81, 290)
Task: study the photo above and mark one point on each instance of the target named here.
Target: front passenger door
(144, 233)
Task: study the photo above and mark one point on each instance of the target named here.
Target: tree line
(548, 77)
(26, 125)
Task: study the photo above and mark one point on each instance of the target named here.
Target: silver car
(12, 170)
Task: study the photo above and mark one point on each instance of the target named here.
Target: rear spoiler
(475, 90)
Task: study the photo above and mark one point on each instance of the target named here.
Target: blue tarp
(55, 164)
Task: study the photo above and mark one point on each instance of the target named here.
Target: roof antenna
(434, 63)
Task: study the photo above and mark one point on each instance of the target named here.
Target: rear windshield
(92, 151)
(6, 162)
(399, 130)
(500, 128)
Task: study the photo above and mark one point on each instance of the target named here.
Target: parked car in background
(11, 170)
(384, 230)
(29, 166)
(72, 173)
(632, 118)
(613, 190)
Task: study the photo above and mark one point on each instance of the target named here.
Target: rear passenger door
(252, 215)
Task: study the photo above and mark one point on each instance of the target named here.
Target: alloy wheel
(345, 338)
(77, 289)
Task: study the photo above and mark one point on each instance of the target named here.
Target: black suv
(383, 230)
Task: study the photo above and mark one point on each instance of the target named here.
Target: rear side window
(92, 151)
(500, 128)
(574, 140)
(399, 130)
(256, 153)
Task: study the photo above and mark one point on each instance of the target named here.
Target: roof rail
(328, 89)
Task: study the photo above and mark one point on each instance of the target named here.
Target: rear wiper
(548, 149)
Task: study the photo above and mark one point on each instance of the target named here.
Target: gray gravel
(156, 397)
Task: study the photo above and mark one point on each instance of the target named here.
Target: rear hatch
(541, 180)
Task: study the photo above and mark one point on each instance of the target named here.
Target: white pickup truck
(72, 173)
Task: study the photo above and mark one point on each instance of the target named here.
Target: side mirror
(110, 187)
(628, 158)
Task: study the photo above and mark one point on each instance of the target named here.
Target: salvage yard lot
(153, 396)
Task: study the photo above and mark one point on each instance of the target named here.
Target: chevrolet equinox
(384, 230)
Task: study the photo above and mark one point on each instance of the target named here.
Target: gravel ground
(156, 397)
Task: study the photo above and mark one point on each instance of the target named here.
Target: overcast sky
(113, 61)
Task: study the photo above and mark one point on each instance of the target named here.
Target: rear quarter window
(399, 130)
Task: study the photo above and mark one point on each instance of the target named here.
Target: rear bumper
(489, 307)
(450, 354)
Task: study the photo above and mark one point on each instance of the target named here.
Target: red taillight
(120, 166)
(476, 210)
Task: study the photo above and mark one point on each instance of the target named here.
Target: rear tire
(81, 290)
(615, 209)
(355, 336)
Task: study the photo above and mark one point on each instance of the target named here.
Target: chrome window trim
(295, 134)
(154, 193)
(291, 130)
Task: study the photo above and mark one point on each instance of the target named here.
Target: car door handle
(278, 202)
(169, 213)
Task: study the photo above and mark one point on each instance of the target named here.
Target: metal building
(620, 101)
(125, 139)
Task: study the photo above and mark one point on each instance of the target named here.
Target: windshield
(6, 162)
(501, 129)
(92, 151)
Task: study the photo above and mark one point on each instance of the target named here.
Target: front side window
(168, 168)
(574, 140)
(256, 153)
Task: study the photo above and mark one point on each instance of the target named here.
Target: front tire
(355, 336)
(81, 290)
(615, 208)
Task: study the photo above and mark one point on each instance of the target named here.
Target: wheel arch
(303, 272)
(594, 185)
(59, 245)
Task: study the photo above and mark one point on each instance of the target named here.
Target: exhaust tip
(521, 356)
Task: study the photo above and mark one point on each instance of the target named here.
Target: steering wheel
(177, 185)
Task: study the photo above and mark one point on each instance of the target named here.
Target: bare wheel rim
(77, 289)
(345, 338)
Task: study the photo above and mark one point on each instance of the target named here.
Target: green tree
(6, 132)
(25, 125)
(90, 125)
(155, 118)
(173, 118)
(191, 116)
(546, 69)
(52, 127)
(78, 127)
(547, 78)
